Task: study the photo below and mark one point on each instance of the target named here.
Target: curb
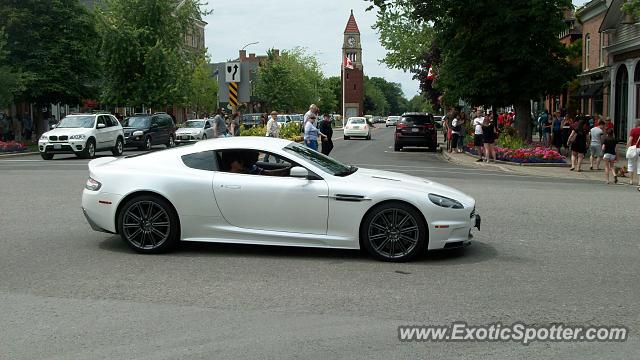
(523, 164)
(18, 154)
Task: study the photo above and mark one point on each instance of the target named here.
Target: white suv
(83, 135)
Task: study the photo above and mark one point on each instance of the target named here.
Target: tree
(145, 58)
(511, 56)
(204, 88)
(292, 81)
(10, 78)
(375, 102)
(392, 93)
(419, 103)
(52, 43)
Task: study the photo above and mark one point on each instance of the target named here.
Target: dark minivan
(145, 130)
(416, 129)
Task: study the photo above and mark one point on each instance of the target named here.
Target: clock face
(351, 41)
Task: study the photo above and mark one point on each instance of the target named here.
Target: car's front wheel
(394, 232)
(46, 156)
(172, 142)
(89, 151)
(119, 148)
(147, 144)
(148, 224)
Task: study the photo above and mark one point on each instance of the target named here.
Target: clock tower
(352, 79)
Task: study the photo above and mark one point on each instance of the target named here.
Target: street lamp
(253, 43)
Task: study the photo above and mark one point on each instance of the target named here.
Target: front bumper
(187, 138)
(68, 147)
(455, 233)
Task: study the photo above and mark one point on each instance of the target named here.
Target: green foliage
(419, 103)
(203, 88)
(292, 81)
(375, 102)
(10, 78)
(253, 131)
(52, 44)
(399, 31)
(291, 131)
(145, 58)
(632, 7)
(494, 52)
(511, 140)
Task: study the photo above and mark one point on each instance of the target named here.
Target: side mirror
(299, 172)
(101, 126)
(208, 126)
(54, 126)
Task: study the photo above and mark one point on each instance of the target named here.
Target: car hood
(188, 131)
(67, 131)
(388, 179)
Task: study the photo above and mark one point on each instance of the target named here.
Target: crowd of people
(484, 132)
(313, 128)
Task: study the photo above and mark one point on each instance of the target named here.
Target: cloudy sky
(317, 25)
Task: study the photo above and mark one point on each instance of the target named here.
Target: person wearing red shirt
(608, 124)
(632, 164)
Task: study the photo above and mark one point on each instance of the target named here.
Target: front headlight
(92, 185)
(78, 137)
(445, 202)
(137, 133)
(44, 137)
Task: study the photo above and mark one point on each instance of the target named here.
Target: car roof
(415, 113)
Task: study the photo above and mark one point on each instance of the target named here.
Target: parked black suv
(416, 129)
(145, 130)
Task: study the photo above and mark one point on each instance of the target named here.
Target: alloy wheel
(91, 149)
(147, 144)
(393, 233)
(146, 225)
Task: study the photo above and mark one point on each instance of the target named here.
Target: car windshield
(281, 118)
(417, 120)
(194, 124)
(356, 121)
(139, 122)
(77, 122)
(325, 163)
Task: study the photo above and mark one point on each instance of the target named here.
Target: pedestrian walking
(455, 133)
(478, 139)
(325, 128)
(542, 119)
(556, 133)
(273, 130)
(219, 125)
(578, 141)
(609, 157)
(595, 147)
(27, 126)
(567, 125)
(235, 124)
(17, 129)
(462, 121)
(489, 139)
(311, 133)
(546, 131)
(4, 128)
(633, 161)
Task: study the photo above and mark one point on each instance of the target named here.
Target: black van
(145, 130)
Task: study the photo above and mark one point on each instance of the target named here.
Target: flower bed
(12, 146)
(537, 155)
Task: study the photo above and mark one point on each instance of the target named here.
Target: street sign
(232, 72)
(233, 94)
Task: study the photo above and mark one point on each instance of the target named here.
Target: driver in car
(244, 162)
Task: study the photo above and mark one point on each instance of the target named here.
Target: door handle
(233, 187)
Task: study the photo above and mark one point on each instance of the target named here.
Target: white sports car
(259, 190)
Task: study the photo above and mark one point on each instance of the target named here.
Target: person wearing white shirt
(273, 130)
(478, 141)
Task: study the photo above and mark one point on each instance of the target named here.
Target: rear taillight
(430, 126)
(366, 127)
(400, 126)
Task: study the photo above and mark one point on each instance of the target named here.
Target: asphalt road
(549, 251)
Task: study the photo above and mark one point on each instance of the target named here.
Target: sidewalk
(551, 170)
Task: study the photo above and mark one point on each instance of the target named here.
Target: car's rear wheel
(369, 137)
(397, 147)
(46, 156)
(347, 137)
(148, 224)
(89, 151)
(394, 232)
(119, 148)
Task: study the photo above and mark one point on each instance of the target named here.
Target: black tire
(147, 144)
(369, 137)
(172, 142)
(46, 156)
(119, 148)
(149, 225)
(397, 147)
(391, 225)
(89, 151)
(347, 137)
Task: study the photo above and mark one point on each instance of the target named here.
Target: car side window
(205, 160)
(154, 121)
(101, 120)
(254, 162)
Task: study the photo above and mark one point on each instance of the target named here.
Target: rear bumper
(93, 224)
(416, 140)
(363, 133)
